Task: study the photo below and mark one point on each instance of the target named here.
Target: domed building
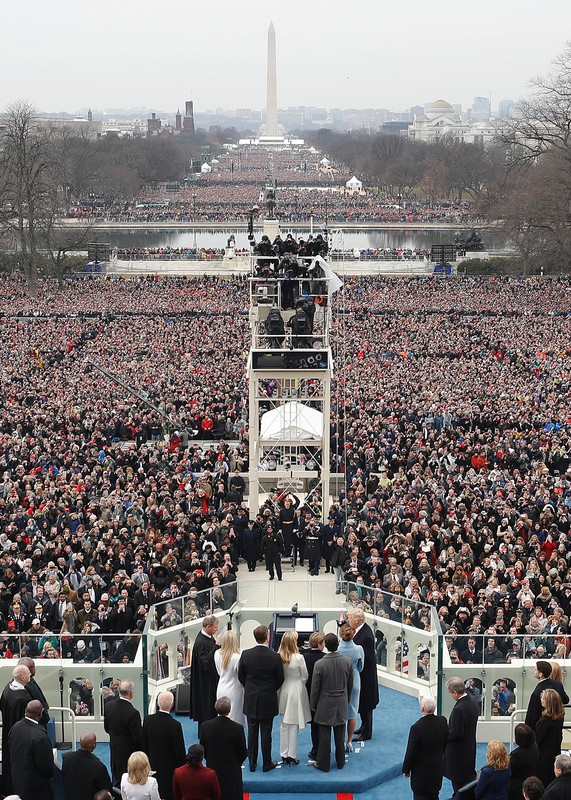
(440, 121)
(438, 108)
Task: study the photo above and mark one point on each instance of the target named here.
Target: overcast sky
(65, 55)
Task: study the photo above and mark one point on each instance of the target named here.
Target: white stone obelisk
(272, 89)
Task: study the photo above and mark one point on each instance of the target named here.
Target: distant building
(394, 128)
(178, 121)
(153, 125)
(440, 121)
(188, 122)
(79, 125)
(481, 110)
(506, 107)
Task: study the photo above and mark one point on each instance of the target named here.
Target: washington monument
(272, 90)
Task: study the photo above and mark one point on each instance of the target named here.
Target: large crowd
(450, 423)
(306, 191)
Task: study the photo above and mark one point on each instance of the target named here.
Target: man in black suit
(163, 742)
(542, 672)
(261, 673)
(83, 773)
(31, 756)
(424, 752)
(203, 673)
(459, 762)
(224, 745)
(123, 724)
(369, 696)
(311, 657)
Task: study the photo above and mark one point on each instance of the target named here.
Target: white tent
(354, 183)
(292, 421)
(206, 167)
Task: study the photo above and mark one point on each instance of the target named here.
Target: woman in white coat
(293, 702)
(226, 661)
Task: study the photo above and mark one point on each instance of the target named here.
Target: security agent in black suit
(31, 756)
(123, 724)
(225, 749)
(459, 764)
(163, 742)
(424, 751)
(534, 709)
(83, 773)
(261, 673)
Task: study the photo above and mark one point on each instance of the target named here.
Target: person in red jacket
(194, 781)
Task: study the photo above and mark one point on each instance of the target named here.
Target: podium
(305, 623)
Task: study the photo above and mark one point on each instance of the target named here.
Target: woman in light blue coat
(355, 652)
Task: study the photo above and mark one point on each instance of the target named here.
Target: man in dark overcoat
(31, 756)
(225, 750)
(122, 722)
(459, 763)
(424, 752)
(163, 742)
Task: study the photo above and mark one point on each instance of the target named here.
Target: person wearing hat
(272, 549)
(17, 615)
(82, 654)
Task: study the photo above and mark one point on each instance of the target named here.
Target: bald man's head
(21, 674)
(34, 710)
(88, 742)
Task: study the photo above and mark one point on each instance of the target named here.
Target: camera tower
(289, 372)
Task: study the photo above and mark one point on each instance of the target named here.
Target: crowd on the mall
(307, 191)
(450, 422)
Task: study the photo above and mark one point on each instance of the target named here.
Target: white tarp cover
(335, 281)
(292, 421)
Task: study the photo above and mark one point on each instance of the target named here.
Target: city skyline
(64, 57)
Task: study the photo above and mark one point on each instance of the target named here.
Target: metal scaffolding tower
(290, 369)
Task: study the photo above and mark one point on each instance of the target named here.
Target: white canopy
(292, 421)
(354, 183)
(206, 167)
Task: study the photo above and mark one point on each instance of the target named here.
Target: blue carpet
(376, 762)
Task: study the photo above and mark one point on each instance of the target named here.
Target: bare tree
(542, 121)
(534, 206)
(26, 183)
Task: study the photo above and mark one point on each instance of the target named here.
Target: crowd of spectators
(449, 421)
(305, 192)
